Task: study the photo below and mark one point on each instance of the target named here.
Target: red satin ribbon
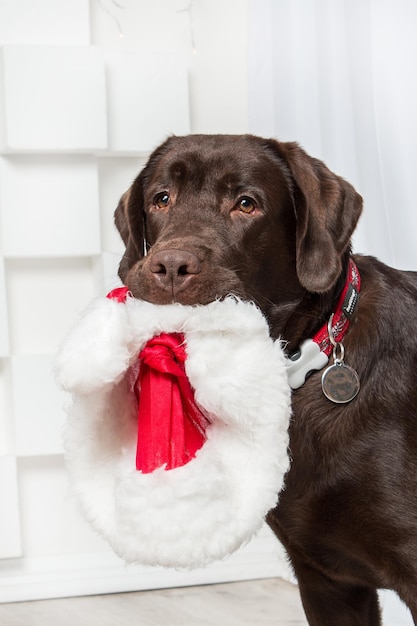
(171, 427)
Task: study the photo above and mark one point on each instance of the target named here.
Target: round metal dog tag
(340, 383)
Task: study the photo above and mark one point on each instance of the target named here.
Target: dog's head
(214, 215)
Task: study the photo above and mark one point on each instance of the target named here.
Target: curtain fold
(340, 77)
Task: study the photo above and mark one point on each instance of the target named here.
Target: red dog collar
(314, 353)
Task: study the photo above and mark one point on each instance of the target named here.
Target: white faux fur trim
(192, 515)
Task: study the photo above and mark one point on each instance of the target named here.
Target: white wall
(86, 91)
(338, 77)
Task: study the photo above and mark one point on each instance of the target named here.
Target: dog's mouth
(185, 296)
(181, 276)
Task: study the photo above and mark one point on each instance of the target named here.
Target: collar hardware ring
(338, 347)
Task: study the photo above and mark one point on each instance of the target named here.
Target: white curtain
(340, 77)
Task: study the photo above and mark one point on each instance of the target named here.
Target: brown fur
(348, 514)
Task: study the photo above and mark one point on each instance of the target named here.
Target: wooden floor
(255, 603)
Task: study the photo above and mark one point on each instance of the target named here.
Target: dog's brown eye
(162, 200)
(247, 205)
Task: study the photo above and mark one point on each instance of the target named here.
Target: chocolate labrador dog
(215, 215)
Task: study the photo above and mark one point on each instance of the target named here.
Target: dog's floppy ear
(129, 221)
(327, 210)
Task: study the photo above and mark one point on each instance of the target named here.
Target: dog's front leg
(330, 603)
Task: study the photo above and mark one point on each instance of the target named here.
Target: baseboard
(98, 573)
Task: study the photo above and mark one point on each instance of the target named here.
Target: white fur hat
(206, 509)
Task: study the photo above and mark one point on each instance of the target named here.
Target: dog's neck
(297, 320)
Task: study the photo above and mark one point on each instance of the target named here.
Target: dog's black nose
(173, 268)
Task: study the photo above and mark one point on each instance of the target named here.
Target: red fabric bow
(171, 427)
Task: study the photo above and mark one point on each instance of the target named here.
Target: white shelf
(54, 99)
(49, 206)
(45, 299)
